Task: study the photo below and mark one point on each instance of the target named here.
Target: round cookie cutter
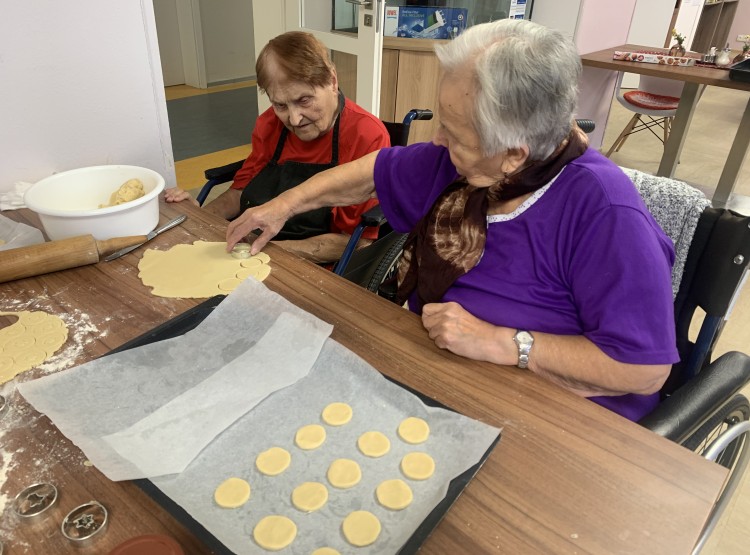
(241, 250)
(35, 500)
(3, 411)
(85, 523)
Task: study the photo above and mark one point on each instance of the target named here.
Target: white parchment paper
(149, 411)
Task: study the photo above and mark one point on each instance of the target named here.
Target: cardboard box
(424, 22)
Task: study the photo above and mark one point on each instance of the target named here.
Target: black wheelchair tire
(735, 410)
(388, 264)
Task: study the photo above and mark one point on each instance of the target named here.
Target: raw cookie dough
(344, 473)
(361, 528)
(309, 496)
(337, 414)
(274, 532)
(130, 190)
(413, 430)
(417, 466)
(373, 444)
(311, 436)
(232, 493)
(394, 494)
(325, 551)
(29, 341)
(198, 271)
(274, 461)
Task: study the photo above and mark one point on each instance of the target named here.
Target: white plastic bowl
(68, 202)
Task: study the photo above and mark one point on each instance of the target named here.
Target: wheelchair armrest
(373, 217)
(679, 414)
(224, 173)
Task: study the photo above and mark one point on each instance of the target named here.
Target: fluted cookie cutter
(85, 523)
(35, 500)
(241, 250)
(3, 410)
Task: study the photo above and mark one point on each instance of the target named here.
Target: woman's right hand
(175, 194)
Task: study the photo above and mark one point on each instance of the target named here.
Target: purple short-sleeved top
(582, 256)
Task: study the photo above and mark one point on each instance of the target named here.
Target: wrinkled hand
(175, 194)
(269, 218)
(453, 328)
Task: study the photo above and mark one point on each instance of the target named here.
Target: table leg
(688, 101)
(734, 161)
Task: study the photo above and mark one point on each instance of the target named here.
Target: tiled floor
(711, 132)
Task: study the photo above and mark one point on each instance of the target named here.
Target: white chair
(655, 99)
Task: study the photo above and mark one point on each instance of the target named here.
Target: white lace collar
(525, 205)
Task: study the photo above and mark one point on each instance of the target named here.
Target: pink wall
(601, 25)
(741, 24)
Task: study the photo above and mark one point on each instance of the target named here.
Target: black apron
(276, 178)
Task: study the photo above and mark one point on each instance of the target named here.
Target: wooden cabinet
(714, 24)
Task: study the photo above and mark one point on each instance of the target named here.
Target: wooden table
(567, 476)
(695, 78)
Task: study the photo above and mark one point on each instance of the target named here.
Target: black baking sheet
(189, 320)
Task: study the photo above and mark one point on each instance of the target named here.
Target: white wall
(650, 27)
(81, 86)
(228, 45)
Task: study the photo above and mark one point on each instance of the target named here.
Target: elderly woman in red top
(310, 127)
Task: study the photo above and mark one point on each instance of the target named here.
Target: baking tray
(740, 71)
(189, 320)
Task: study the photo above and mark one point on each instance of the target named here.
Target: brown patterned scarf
(449, 240)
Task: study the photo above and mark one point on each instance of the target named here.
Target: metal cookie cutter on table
(35, 500)
(85, 523)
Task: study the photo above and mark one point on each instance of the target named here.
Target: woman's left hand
(455, 329)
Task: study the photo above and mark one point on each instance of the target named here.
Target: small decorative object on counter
(679, 48)
(744, 54)
(724, 58)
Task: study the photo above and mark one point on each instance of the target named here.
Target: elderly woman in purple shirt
(526, 247)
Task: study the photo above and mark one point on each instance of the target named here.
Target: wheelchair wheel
(736, 410)
(388, 265)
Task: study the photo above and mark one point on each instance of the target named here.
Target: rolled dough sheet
(198, 271)
(29, 341)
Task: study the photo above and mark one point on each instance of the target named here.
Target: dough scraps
(344, 473)
(337, 414)
(311, 436)
(413, 430)
(417, 466)
(309, 496)
(232, 493)
(130, 190)
(273, 462)
(394, 494)
(374, 444)
(361, 528)
(274, 532)
(29, 341)
(198, 271)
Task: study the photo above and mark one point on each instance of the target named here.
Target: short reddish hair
(300, 56)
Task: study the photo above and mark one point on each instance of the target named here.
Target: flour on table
(198, 271)
(28, 342)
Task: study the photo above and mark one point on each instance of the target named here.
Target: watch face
(524, 337)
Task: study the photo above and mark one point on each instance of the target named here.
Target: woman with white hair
(527, 248)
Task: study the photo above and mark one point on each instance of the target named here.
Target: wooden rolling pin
(60, 255)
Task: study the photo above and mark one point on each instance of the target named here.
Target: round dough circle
(417, 466)
(361, 528)
(251, 262)
(344, 473)
(229, 284)
(325, 551)
(374, 444)
(309, 496)
(273, 461)
(232, 493)
(337, 414)
(263, 257)
(274, 532)
(311, 436)
(413, 430)
(394, 494)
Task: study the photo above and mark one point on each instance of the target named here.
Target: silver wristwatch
(524, 341)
